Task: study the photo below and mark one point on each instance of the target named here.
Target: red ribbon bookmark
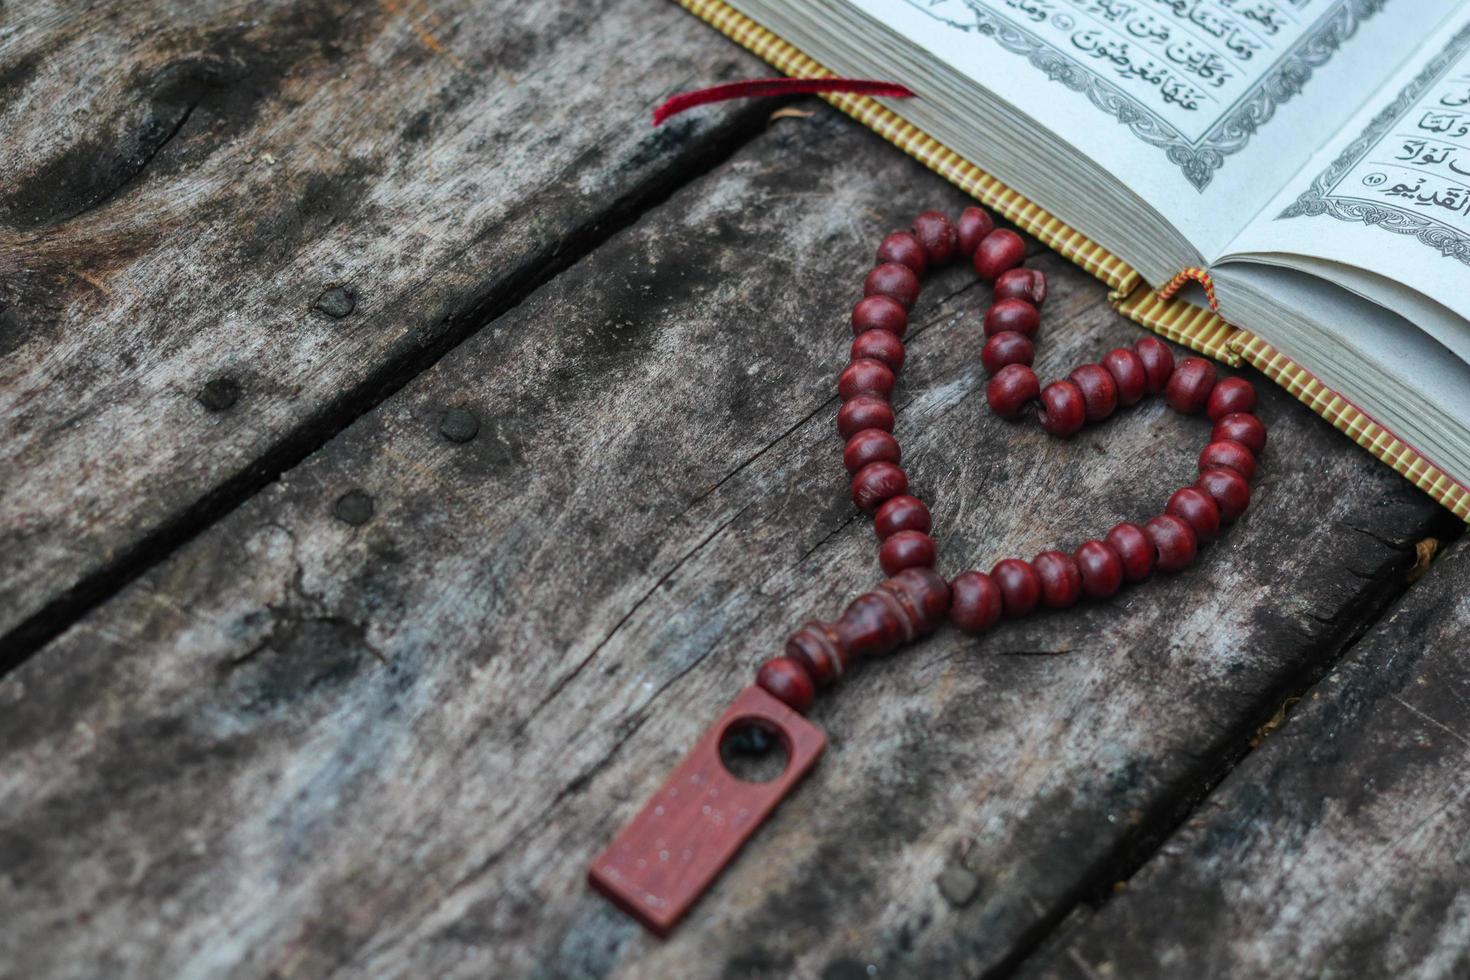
(765, 87)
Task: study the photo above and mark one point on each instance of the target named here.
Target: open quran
(1312, 156)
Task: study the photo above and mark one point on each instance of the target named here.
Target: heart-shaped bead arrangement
(915, 599)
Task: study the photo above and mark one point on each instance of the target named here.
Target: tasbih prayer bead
(902, 608)
(914, 599)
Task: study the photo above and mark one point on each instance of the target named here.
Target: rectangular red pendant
(668, 854)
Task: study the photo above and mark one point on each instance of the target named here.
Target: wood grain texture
(1339, 848)
(378, 720)
(225, 227)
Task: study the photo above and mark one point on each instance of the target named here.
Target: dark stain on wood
(236, 69)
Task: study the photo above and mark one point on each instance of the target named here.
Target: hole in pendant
(754, 751)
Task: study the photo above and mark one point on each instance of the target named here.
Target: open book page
(1202, 107)
(1391, 195)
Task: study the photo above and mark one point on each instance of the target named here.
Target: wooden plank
(260, 217)
(379, 720)
(1339, 848)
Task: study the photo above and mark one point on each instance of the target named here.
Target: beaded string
(915, 599)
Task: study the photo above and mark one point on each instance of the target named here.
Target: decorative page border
(1197, 159)
(1318, 199)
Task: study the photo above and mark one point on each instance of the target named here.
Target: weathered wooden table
(405, 452)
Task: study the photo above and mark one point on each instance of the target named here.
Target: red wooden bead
(973, 226)
(1012, 314)
(819, 650)
(1007, 347)
(975, 603)
(1128, 374)
(938, 235)
(895, 281)
(786, 680)
(1063, 409)
(924, 595)
(1099, 393)
(1158, 362)
(903, 248)
(1230, 395)
(1012, 387)
(906, 549)
(1229, 454)
(1189, 386)
(901, 513)
(1101, 568)
(1020, 589)
(999, 251)
(877, 482)
(879, 313)
(865, 377)
(1197, 509)
(1228, 489)
(870, 446)
(878, 345)
(1134, 549)
(1245, 429)
(1027, 284)
(1175, 541)
(864, 412)
(1061, 579)
(900, 610)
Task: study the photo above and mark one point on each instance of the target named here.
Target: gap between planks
(297, 445)
(1170, 814)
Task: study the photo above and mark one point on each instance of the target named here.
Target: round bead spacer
(1012, 314)
(1197, 509)
(1061, 579)
(1128, 374)
(895, 281)
(864, 412)
(879, 313)
(1229, 454)
(1006, 348)
(1228, 489)
(1012, 387)
(901, 513)
(1101, 568)
(903, 248)
(1175, 541)
(1230, 395)
(879, 345)
(1027, 284)
(1134, 549)
(938, 235)
(870, 446)
(865, 377)
(1099, 392)
(787, 681)
(973, 226)
(999, 251)
(906, 549)
(975, 602)
(876, 483)
(1189, 387)
(1020, 589)
(1245, 429)
(1158, 362)
(1063, 410)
